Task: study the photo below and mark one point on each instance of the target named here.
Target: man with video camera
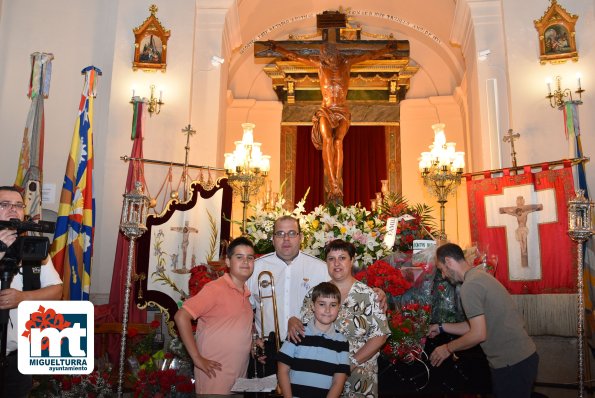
(12, 208)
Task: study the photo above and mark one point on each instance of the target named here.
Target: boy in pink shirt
(221, 349)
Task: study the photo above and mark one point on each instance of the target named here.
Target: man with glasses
(13, 383)
(294, 273)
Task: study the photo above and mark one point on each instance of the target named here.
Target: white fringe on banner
(548, 314)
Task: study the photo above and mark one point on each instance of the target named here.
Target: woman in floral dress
(360, 319)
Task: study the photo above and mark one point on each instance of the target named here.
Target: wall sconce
(154, 103)
(559, 96)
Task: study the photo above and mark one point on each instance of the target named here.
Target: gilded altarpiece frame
(289, 155)
(557, 35)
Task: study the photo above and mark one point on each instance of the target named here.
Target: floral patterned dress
(360, 319)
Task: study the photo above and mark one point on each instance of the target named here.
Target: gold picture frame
(150, 43)
(557, 41)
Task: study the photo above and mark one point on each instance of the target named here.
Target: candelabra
(132, 224)
(441, 169)
(153, 103)
(246, 168)
(579, 229)
(559, 96)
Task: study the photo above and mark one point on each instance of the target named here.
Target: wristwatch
(440, 328)
(3, 247)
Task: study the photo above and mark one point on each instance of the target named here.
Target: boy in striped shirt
(318, 366)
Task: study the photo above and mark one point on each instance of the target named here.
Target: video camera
(27, 248)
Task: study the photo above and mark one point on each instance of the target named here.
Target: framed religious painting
(150, 44)
(185, 238)
(557, 39)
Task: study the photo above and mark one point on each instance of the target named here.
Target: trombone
(265, 279)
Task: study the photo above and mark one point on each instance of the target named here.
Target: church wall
(542, 127)
(100, 34)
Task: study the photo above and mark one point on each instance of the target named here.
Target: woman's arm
(368, 350)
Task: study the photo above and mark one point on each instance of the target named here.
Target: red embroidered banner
(523, 219)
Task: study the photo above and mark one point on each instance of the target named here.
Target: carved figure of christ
(522, 232)
(185, 231)
(334, 59)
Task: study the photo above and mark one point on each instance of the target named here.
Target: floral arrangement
(162, 383)
(415, 222)
(153, 373)
(409, 326)
(259, 226)
(325, 223)
(145, 346)
(383, 276)
(93, 385)
(353, 224)
(200, 275)
(481, 258)
(407, 280)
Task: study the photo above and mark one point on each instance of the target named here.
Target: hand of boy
(207, 366)
(258, 350)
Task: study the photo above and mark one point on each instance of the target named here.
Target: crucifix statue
(334, 58)
(520, 211)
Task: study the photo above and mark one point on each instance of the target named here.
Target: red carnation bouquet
(409, 326)
(200, 275)
(383, 276)
(407, 280)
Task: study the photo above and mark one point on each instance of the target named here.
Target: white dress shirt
(292, 282)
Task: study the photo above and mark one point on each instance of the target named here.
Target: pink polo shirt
(223, 332)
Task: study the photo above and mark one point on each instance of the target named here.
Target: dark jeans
(14, 384)
(515, 381)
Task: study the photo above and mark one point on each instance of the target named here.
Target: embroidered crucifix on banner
(521, 219)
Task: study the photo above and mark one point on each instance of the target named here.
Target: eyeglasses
(8, 205)
(283, 234)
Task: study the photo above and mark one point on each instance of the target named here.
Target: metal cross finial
(510, 137)
(188, 131)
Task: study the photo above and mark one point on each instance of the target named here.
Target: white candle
(578, 80)
(160, 95)
(133, 92)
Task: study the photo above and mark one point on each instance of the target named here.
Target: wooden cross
(331, 22)
(334, 58)
(510, 137)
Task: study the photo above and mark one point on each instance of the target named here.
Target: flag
(523, 220)
(72, 248)
(135, 173)
(113, 311)
(575, 148)
(30, 169)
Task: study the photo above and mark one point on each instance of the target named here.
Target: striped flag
(72, 248)
(135, 173)
(575, 149)
(30, 170)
